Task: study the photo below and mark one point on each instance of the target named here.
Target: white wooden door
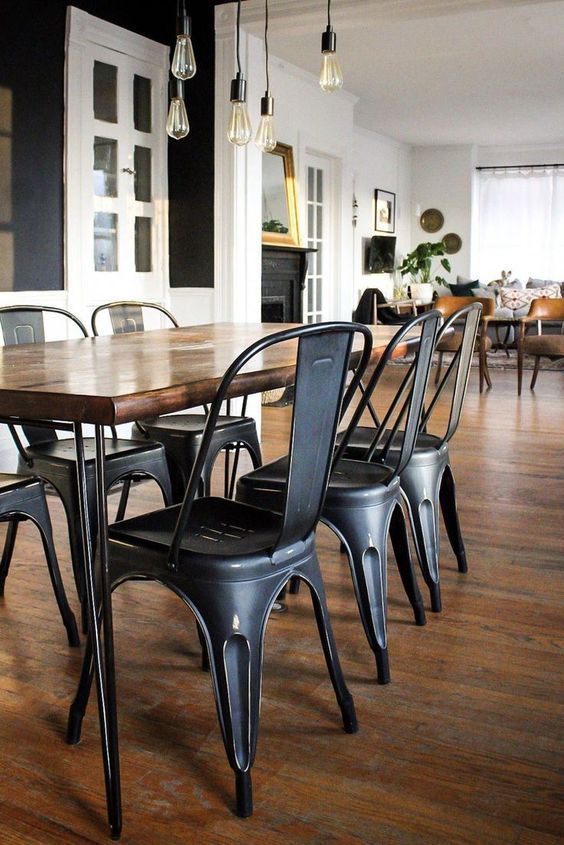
(318, 290)
(116, 211)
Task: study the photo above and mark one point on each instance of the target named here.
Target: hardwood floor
(464, 746)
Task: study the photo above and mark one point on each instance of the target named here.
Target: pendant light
(265, 138)
(239, 130)
(177, 125)
(183, 61)
(331, 76)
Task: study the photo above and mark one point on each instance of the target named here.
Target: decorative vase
(423, 293)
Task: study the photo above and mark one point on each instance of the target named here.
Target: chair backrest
(448, 305)
(26, 324)
(127, 316)
(400, 423)
(457, 373)
(546, 309)
(323, 359)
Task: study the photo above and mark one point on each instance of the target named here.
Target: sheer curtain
(521, 223)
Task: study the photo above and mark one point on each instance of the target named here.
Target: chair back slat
(458, 371)
(127, 316)
(322, 364)
(403, 415)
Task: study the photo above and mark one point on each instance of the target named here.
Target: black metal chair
(21, 499)
(427, 479)
(228, 561)
(181, 434)
(383, 313)
(362, 504)
(54, 460)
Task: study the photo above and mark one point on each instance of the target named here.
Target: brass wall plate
(432, 220)
(452, 243)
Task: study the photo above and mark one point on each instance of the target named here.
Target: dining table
(107, 381)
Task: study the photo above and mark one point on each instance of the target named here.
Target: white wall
(383, 163)
(442, 178)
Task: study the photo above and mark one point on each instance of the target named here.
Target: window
(521, 223)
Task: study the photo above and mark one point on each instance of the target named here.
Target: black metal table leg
(103, 656)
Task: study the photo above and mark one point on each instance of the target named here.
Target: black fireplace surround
(284, 271)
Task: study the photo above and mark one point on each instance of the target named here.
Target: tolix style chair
(362, 505)
(549, 346)
(53, 459)
(427, 479)
(228, 561)
(23, 498)
(181, 434)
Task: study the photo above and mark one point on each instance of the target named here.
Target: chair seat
(451, 343)
(362, 437)
(355, 483)
(544, 344)
(194, 423)
(224, 538)
(63, 451)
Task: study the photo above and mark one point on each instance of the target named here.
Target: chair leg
(439, 368)
(236, 668)
(364, 532)
(535, 372)
(420, 488)
(41, 518)
(124, 496)
(342, 694)
(520, 357)
(447, 496)
(80, 701)
(400, 542)
(8, 552)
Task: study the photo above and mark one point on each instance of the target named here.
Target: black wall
(32, 53)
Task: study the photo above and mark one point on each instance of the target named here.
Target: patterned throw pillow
(549, 292)
(515, 299)
(543, 283)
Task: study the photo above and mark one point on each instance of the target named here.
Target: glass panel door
(116, 166)
(316, 239)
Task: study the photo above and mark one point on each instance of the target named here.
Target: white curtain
(521, 223)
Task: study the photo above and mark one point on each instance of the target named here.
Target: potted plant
(418, 264)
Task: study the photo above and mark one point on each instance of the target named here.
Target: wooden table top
(121, 378)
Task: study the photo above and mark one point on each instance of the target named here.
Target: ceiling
(429, 72)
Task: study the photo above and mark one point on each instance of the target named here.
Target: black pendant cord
(238, 31)
(328, 14)
(266, 44)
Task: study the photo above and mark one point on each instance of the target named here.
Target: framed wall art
(385, 211)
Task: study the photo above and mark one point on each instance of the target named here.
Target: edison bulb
(331, 76)
(177, 125)
(183, 62)
(265, 138)
(239, 130)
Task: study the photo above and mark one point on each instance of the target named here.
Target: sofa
(512, 299)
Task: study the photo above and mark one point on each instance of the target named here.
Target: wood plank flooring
(464, 746)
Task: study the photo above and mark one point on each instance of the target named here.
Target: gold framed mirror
(279, 197)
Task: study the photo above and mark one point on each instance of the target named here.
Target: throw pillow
(467, 289)
(463, 280)
(542, 283)
(514, 298)
(548, 292)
